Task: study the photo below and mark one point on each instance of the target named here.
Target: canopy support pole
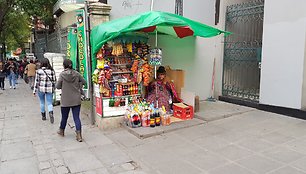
(155, 47)
(152, 4)
(155, 73)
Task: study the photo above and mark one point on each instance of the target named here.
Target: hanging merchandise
(100, 63)
(100, 54)
(129, 47)
(155, 56)
(117, 49)
(95, 76)
(147, 74)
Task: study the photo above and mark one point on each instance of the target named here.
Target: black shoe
(43, 114)
(51, 117)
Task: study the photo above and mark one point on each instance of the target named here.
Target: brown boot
(79, 136)
(61, 132)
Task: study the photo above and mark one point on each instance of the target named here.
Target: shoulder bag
(53, 83)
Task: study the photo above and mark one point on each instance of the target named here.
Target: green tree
(39, 8)
(15, 18)
(17, 30)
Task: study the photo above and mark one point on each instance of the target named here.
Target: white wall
(283, 53)
(121, 8)
(304, 79)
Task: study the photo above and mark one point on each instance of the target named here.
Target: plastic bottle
(113, 90)
(136, 89)
(152, 120)
(157, 119)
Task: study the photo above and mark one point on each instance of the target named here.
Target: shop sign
(82, 46)
(72, 46)
(99, 107)
(155, 57)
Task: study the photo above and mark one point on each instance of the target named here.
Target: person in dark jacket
(2, 76)
(70, 82)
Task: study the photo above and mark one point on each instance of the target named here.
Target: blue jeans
(48, 97)
(12, 79)
(76, 116)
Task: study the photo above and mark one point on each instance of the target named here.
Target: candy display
(123, 70)
(119, 64)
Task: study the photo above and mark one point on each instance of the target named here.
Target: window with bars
(179, 7)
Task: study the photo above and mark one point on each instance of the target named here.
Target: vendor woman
(162, 91)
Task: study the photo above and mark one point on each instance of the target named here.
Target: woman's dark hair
(161, 70)
(67, 64)
(44, 62)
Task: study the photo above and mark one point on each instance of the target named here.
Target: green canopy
(163, 22)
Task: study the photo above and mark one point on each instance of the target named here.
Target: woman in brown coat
(30, 71)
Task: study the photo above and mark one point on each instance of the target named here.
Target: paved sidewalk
(239, 141)
(29, 145)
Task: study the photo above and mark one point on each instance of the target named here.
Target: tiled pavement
(29, 145)
(248, 142)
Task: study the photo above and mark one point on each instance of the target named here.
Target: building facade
(261, 62)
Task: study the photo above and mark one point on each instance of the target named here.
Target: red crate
(182, 111)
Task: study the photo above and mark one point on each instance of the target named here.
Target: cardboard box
(177, 76)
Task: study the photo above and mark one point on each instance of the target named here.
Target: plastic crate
(182, 111)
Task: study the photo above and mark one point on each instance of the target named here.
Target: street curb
(222, 116)
(167, 129)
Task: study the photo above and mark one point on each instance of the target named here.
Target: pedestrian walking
(2, 75)
(22, 67)
(70, 82)
(11, 70)
(30, 71)
(44, 86)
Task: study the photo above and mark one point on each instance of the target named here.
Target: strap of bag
(48, 76)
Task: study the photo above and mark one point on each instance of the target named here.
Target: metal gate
(242, 50)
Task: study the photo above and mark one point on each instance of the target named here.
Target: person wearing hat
(161, 92)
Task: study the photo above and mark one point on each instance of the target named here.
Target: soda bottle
(152, 120)
(113, 89)
(121, 90)
(124, 89)
(157, 119)
(136, 89)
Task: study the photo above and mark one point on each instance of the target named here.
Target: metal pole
(152, 4)
(89, 63)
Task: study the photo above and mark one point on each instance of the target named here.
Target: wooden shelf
(124, 96)
(120, 64)
(126, 72)
(121, 56)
